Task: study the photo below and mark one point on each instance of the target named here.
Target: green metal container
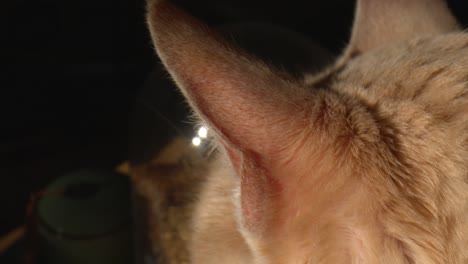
(90, 223)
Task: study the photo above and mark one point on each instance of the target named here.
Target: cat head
(300, 150)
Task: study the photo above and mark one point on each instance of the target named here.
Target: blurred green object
(90, 223)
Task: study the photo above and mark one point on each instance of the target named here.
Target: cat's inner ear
(379, 22)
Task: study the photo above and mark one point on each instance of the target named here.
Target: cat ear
(249, 106)
(239, 97)
(378, 22)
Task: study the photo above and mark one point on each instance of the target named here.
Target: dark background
(73, 72)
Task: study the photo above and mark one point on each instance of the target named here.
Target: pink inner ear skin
(259, 190)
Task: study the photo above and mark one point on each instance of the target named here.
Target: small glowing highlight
(196, 141)
(203, 132)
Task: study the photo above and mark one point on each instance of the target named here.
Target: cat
(366, 162)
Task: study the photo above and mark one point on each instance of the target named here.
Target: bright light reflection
(203, 132)
(196, 141)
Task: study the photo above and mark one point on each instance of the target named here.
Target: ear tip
(161, 15)
(159, 9)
